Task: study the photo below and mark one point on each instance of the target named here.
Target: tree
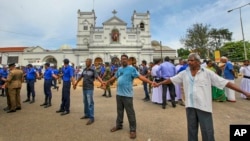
(234, 51)
(183, 53)
(203, 40)
(196, 39)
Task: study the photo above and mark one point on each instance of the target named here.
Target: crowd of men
(190, 83)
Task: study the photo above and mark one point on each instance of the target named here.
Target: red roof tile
(12, 49)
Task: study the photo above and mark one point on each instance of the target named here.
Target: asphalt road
(35, 123)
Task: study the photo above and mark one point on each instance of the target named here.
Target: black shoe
(173, 104)
(147, 99)
(84, 117)
(48, 105)
(163, 107)
(27, 100)
(90, 122)
(32, 101)
(64, 113)
(104, 95)
(11, 111)
(59, 111)
(6, 109)
(44, 104)
(18, 108)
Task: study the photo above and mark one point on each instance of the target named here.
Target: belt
(248, 77)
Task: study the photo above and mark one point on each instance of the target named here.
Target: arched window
(115, 35)
(142, 26)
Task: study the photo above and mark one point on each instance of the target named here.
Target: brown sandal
(132, 135)
(115, 129)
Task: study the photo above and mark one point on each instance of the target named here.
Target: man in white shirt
(197, 83)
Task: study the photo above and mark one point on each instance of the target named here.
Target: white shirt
(197, 89)
(245, 70)
(154, 70)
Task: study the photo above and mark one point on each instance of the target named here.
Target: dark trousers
(126, 103)
(65, 96)
(30, 88)
(196, 117)
(47, 88)
(54, 82)
(145, 87)
(171, 89)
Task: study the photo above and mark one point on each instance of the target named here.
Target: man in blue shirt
(48, 76)
(68, 78)
(167, 70)
(31, 75)
(124, 98)
(3, 77)
(144, 72)
(228, 73)
(54, 80)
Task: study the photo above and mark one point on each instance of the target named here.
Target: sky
(53, 23)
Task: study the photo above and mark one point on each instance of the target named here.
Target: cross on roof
(114, 12)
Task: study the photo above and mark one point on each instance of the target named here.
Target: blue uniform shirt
(4, 73)
(48, 74)
(67, 73)
(56, 71)
(31, 74)
(125, 77)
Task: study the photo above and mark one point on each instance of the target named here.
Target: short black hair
(156, 61)
(66, 61)
(124, 55)
(144, 62)
(166, 58)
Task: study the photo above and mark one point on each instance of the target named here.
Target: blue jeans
(145, 87)
(88, 103)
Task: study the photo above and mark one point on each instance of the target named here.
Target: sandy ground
(35, 123)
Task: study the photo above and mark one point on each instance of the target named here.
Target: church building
(102, 44)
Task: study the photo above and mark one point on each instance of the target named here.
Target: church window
(85, 27)
(115, 35)
(142, 26)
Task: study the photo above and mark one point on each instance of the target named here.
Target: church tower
(86, 24)
(141, 22)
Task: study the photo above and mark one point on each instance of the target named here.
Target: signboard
(217, 56)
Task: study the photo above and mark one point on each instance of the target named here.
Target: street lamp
(241, 27)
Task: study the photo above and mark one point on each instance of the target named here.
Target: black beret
(11, 64)
(47, 64)
(30, 65)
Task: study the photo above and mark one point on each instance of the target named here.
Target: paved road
(35, 123)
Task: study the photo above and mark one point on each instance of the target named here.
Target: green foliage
(183, 53)
(234, 51)
(203, 40)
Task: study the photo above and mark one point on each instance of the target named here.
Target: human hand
(74, 86)
(247, 94)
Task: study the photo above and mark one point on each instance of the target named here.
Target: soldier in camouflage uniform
(106, 76)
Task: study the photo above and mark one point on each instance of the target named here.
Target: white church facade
(101, 44)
